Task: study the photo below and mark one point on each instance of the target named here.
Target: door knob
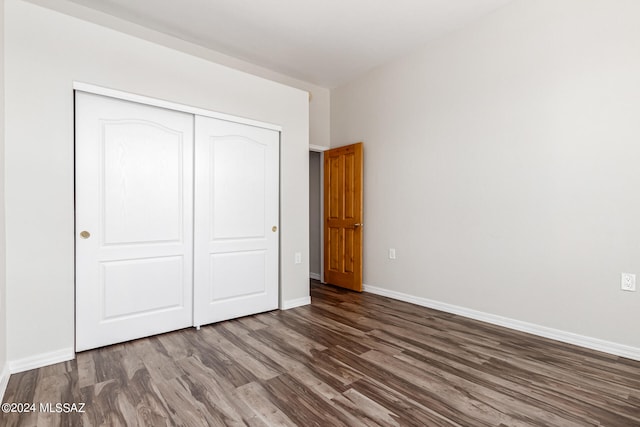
(274, 228)
(358, 225)
(85, 234)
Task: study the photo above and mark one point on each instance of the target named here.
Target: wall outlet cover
(628, 282)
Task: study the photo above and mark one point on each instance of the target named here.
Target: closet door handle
(85, 234)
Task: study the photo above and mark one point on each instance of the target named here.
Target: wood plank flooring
(348, 359)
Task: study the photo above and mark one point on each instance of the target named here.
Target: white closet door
(134, 220)
(236, 220)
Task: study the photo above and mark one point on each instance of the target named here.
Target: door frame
(155, 102)
(320, 149)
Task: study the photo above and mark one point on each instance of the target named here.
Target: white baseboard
(293, 303)
(40, 360)
(314, 276)
(543, 331)
(4, 380)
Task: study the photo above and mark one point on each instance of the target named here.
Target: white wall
(318, 105)
(3, 302)
(45, 52)
(501, 162)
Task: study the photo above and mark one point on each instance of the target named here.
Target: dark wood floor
(347, 359)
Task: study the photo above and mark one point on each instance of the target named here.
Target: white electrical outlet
(298, 258)
(392, 253)
(628, 282)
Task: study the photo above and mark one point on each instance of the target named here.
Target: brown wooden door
(343, 216)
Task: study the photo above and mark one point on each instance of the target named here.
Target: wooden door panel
(350, 199)
(343, 216)
(334, 249)
(349, 248)
(335, 183)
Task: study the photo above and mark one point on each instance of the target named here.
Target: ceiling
(326, 42)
